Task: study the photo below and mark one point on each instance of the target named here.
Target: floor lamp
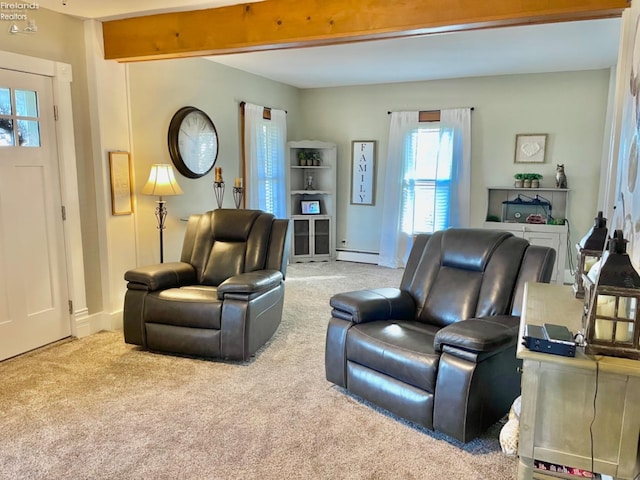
(162, 183)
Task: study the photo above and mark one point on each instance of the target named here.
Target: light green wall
(157, 90)
(570, 107)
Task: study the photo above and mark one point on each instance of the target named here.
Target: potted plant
(519, 183)
(535, 179)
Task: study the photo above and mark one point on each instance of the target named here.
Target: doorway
(33, 279)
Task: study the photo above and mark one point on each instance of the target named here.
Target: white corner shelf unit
(548, 235)
(313, 235)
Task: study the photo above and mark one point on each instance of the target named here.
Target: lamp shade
(162, 181)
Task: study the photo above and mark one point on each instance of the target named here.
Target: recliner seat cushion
(192, 306)
(400, 349)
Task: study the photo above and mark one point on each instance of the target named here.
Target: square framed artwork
(530, 148)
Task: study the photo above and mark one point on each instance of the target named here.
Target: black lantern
(589, 251)
(612, 323)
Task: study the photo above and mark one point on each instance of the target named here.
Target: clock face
(193, 142)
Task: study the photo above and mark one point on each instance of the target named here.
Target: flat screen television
(310, 207)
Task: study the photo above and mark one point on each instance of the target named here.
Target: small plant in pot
(535, 179)
(519, 183)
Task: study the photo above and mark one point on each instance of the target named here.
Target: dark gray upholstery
(223, 299)
(440, 349)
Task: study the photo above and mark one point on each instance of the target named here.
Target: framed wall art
(530, 148)
(363, 168)
(121, 191)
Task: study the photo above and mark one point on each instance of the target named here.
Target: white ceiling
(553, 47)
(566, 46)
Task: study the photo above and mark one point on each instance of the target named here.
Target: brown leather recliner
(440, 350)
(223, 299)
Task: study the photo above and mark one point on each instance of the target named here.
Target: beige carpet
(96, 408)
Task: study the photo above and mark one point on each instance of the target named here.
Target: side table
(567, 401)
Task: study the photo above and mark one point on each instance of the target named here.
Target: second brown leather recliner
(440, 350)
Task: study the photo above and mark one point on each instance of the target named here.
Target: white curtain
(457, 122)
(454, 143)
(264, 148)
(393, 242)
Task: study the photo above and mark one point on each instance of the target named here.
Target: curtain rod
(427, 111)
(242, 104)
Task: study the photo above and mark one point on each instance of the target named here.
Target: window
(427, 180)
(270, 170)
(19, 123)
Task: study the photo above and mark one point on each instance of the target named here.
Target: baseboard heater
(359, 256)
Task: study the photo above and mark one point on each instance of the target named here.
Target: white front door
(33, 292)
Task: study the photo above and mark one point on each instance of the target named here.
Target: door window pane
(22, 132)
(5, 101)
(26, 103)
(6, 132)
(29, 133)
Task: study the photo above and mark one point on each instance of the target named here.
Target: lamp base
(161, 216)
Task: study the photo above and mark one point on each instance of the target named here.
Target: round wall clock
(193, 142)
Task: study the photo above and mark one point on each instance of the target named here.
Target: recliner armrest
(250, 283)
(488, 334)
(373, 304)
(161, 276)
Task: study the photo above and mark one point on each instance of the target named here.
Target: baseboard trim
(85, 325)
(568, 277)
(360, 257)
(81, 323)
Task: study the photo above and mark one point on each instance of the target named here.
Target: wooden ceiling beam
(275, 24)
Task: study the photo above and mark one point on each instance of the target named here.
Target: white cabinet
(547, 235)
(312, 178)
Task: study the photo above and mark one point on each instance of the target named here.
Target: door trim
(61, 76)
